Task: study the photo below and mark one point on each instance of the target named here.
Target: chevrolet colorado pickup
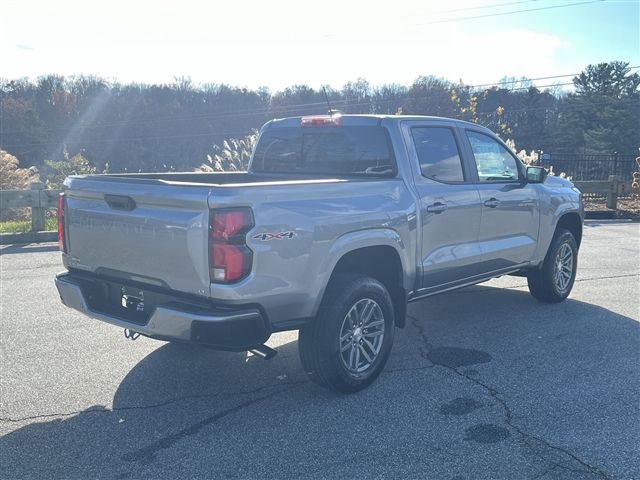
(339, 222)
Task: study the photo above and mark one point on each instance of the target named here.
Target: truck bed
(153, 227)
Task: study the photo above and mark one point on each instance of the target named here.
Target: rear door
(510, 212)
(141, 230)
(449, 205)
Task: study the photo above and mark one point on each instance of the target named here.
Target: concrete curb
(600, 214)
(28, 237)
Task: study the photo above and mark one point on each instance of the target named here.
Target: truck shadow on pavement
(473, 376)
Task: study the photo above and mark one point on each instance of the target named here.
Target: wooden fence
(612, 188)
(38, 200)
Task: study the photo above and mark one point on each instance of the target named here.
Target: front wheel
(553, 282)
(347, 345)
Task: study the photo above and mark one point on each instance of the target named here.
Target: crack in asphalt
(150, 406)
(544, 473)
(175, 400)
(406, 369)
(589, 279)
(148, 454)
(527, 438)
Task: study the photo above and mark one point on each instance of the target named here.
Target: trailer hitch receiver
(130, 334)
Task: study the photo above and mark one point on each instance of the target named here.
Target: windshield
(351, 150)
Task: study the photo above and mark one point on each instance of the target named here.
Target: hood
(558, 182)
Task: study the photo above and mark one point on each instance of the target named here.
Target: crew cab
(339, 222)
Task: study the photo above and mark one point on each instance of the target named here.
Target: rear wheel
(349, 342)
(553, 282)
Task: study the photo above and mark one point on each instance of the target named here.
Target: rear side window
(438, 153)
(494, 161)
(346, 150)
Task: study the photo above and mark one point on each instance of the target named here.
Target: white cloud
(265, 43)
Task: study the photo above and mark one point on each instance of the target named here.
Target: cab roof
(370, 119)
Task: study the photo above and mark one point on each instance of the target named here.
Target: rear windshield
(351, 150)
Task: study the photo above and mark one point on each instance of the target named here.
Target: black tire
(321, 343)
(543, 284)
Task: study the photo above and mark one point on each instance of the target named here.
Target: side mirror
(536, 174)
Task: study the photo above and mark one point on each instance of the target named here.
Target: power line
(295, 107)
(535, 79)
(498, 14)
(288, 108)
(508, 112)
(493, 5)
(361, 104)
(542, 86)
(212, 116)
(438, 12)
(133, 139)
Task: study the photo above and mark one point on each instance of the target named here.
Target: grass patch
(16, 226)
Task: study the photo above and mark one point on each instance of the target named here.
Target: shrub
(532, 158)
(232, 156)
(57, 170)
(12, 177)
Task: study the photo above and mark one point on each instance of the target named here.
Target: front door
(510, 213)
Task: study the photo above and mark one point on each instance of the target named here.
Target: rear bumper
(235, 329)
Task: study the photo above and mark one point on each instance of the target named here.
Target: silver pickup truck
(340, 221)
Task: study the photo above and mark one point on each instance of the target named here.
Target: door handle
(436, 208)
(492, 203)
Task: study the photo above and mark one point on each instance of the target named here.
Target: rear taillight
(230, 258)
(61, 203)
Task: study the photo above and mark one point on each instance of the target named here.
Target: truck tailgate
(141, 230)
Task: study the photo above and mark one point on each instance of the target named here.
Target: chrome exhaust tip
(264, 352)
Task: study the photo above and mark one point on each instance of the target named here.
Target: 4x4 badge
(274, 236)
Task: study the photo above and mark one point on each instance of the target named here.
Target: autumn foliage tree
(138, 127)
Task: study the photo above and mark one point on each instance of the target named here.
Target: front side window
(438, 153)
(494, 162)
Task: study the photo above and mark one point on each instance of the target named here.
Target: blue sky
(280, 43)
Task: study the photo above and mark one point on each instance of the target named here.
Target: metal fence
(591, 167)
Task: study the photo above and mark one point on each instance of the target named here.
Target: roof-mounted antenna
(326, 97)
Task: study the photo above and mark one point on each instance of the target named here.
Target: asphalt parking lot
(484, 383)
